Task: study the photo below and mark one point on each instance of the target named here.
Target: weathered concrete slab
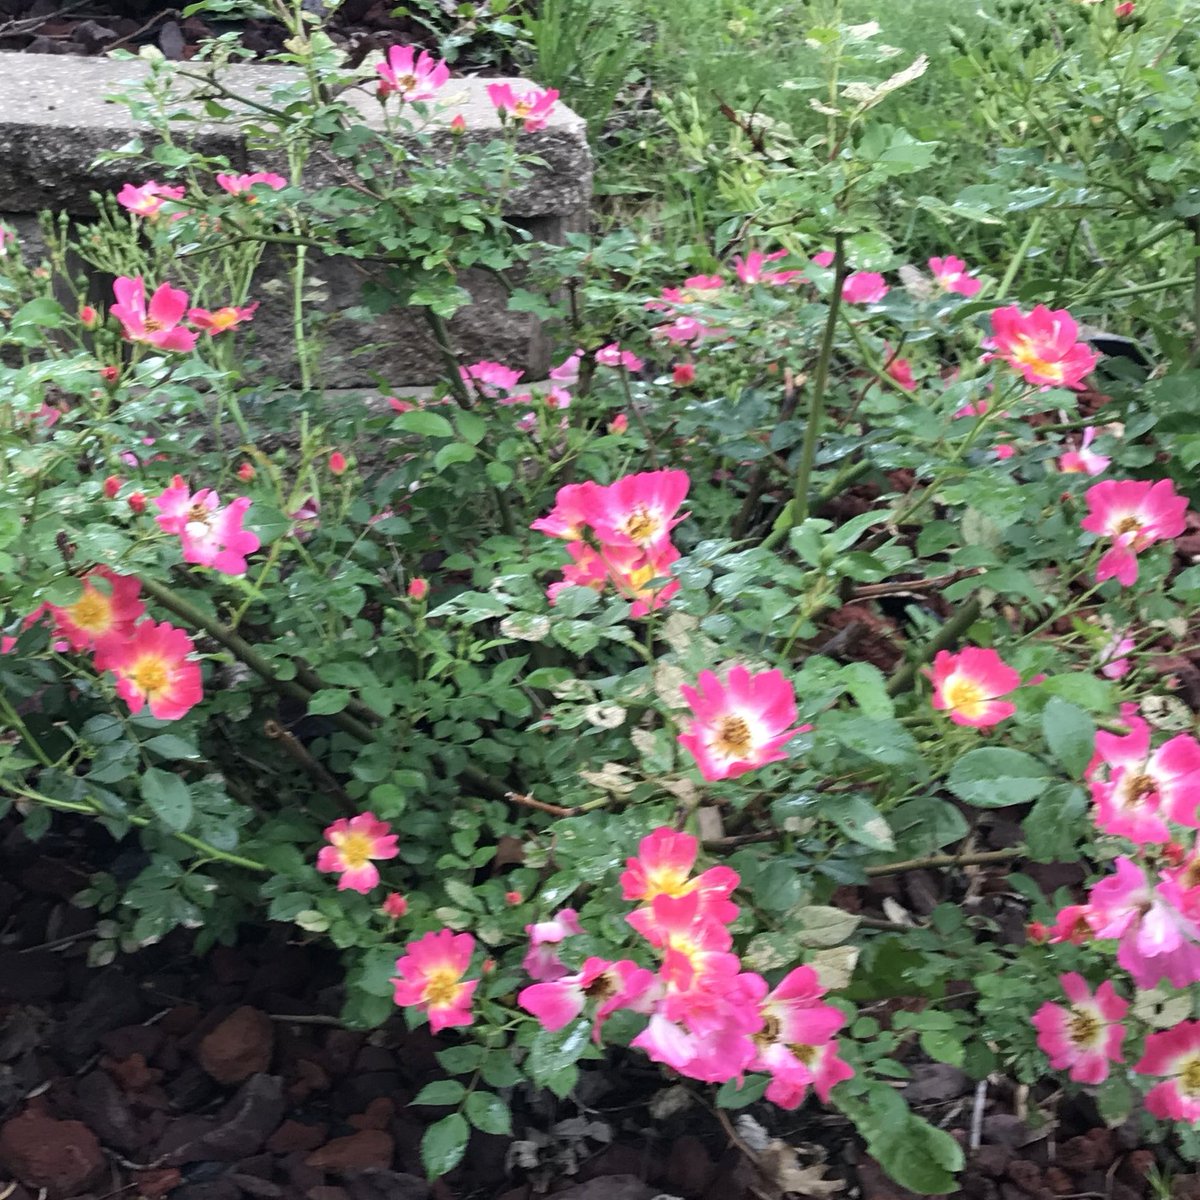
(56, 117)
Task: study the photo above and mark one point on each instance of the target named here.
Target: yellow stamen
(1084, 1027)
(1189, 1077)
(150, 675)
(442, 986)
(965, 696)
(355, 849)
(91, 611)
(734, 739)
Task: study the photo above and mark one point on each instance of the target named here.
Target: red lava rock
(239, 1047)
(610, 1187)
(1094, 1151)
(180, 1020)
(145, 1040)
(156, 1184)
(132, 1073)
(1135, 1166)
(689, 1168)
(327, 1193)
(1185, 1187)
(1059, 1182)
(253, 1185)
(978, 1187)
(358, 1151)
(310, 1077)
(295, 1135)
(1026, 1175)
(63, 1157)
(991, 1160)
(521, 1193)
(378, 1114)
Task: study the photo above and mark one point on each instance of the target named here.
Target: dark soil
(97, 26)
(230, 1076)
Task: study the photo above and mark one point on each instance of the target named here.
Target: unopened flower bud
(112, 485)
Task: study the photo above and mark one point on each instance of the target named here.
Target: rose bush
(533, 698)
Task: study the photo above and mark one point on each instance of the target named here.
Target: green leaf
(425, 424)
(440, 1091)
(861, 822)
(444, 1144)
(328, 701)
(1070, 733)
(996, 777)
(915, 1154)
(1055, 827)
(731, 1094)
(458, 1060)
(499, 1070)
(552, 1052)
(169, 797)
(487, 1112)
(821, 925)
(168, 746)
(455, 452)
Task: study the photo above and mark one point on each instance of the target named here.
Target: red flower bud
(683, 375)
(137, 502)
(112, 485)
(337, 462)
(418, 588)
(246, 472)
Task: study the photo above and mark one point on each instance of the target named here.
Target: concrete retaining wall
(55, 119)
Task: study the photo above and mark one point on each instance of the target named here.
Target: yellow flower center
(806, 1054)
(442, 986)
(152, 325)
(768, 1035)
(1189, 1077)
(150, 675)
(734, 739)
(641, 526)
(406, 83)
(92, 611)
(601, 987)
(1127, 525)
(965, 696)
(1083, 1027)
(522, 109)
(355, 849)
(1027, 355)
(225, 318)
(1139, 786)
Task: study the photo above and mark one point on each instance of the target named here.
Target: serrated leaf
(552, 1052)
(444, 1144)
(861, 822)
(168, 746)
(425, 424)
(993, 777)
(169, 798)
(821, 925)
(328, 701)
(487, 1112)
(1070, 733)
(440, 1091)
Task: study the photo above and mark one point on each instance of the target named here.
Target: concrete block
(56, 117)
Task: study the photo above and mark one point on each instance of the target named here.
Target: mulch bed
(97, 26)
(229, 1076)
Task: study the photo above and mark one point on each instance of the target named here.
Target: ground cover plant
(540, 701)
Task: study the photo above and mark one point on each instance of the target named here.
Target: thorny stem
(187, 839)
(797, 510)
(949, 633)
(949, 860)
(441, 337)
(19, 725)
